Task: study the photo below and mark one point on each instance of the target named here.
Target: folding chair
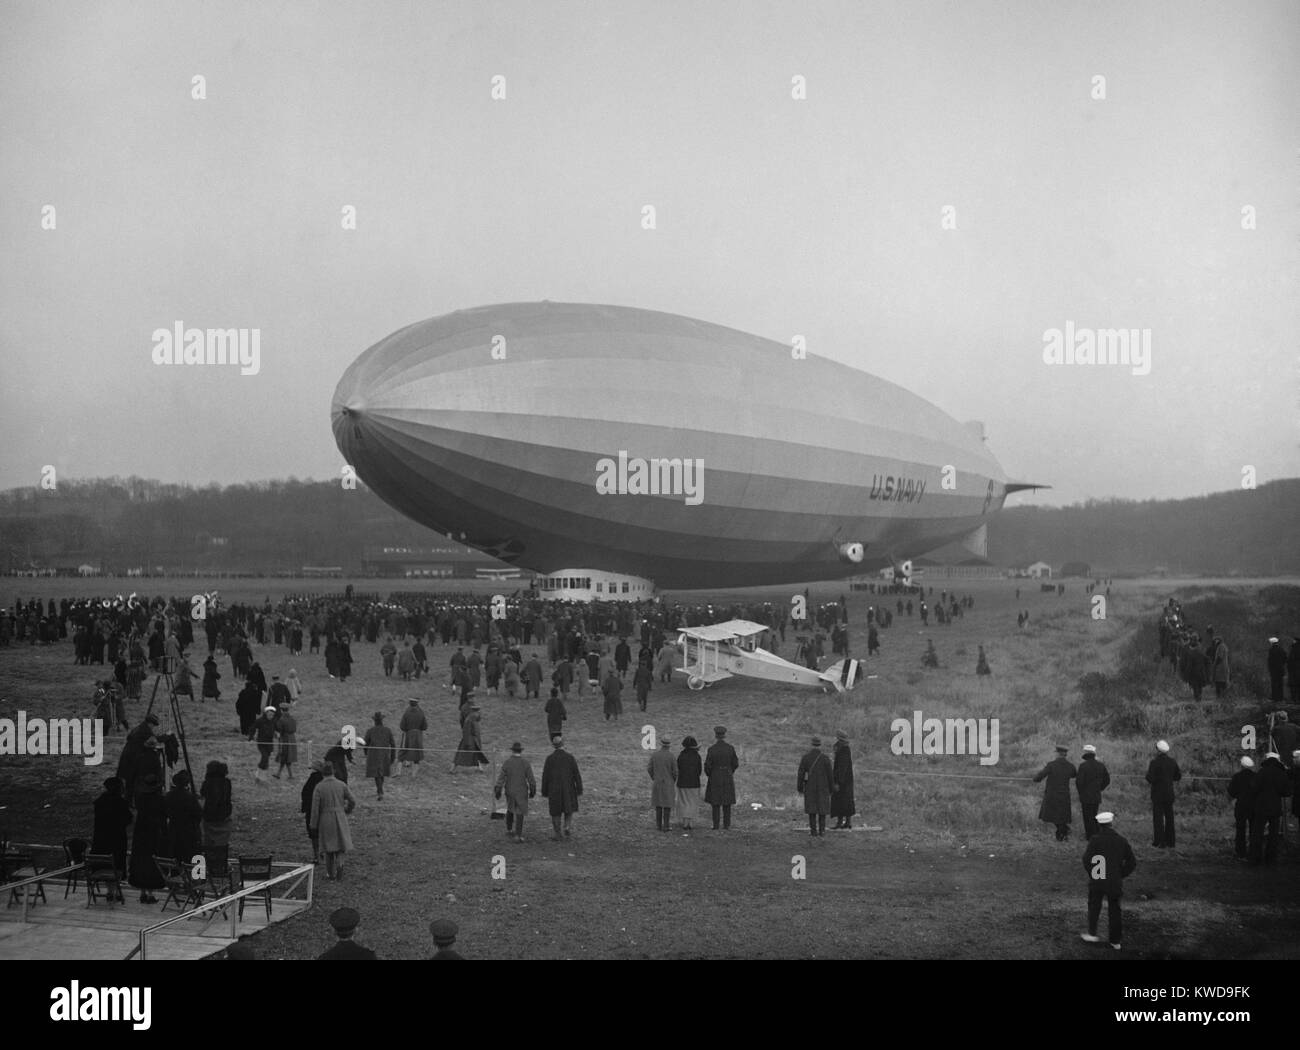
(182, 887)
(101, 872)
(74, 852)
(255, 869)
(11, 869)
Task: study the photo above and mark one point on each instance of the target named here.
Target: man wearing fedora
(662, 768)
(1056, 792)
(561, 785)
(517, 783)
(1108, 860)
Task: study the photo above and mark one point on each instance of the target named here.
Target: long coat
(287, 726)
(413, 727)
(184, 823)
(1056, 793)
(720, 765)
(517, 783)
(1220, 671)
(329, 815)
(815, 781)
(556, 713)
(148, 841)
(689, 767)
(842, 801)
(612, 687)
(470, 751)
(561, 782)
(112, 815)
(381, 749)
(663, 771)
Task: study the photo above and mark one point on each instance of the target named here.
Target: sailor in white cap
(1272, 785)
(1108, 860)
(1093, 779)
(1241, 788)
(1161, 775)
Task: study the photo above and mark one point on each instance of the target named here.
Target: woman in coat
(112, 816)
(511, 677)
(381, 752)
(556, 715)
(147, 842)
(689, 768)
(843, 805)
(470, 751)
(413, 726)
(210, 677)
(331, 803)
(345, 659)
(217, 807)
(287, 727)
(308, 790)
(294, 684)
(184, 819)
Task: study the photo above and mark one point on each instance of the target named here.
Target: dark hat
(444, 931)
(664, 741)
(240, 950)
(113, 784)
(345, 920)
(719, 730)
(151, 719)
(841, 735)
(1062, 750)
(816, 741)
(690, 741)
(379, 716)
(181, 779)
(150, 782)
(516, 747)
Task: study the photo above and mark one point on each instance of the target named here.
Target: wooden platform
(67, 929)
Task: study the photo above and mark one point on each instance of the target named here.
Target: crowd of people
(523, 647)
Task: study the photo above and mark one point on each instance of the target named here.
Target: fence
(299, 872)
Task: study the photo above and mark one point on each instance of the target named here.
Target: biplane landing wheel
(695, 682)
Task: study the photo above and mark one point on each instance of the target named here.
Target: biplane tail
(844, 675)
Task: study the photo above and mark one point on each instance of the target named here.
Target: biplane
(717, 651)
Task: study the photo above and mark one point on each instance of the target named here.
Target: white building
(1039, 570)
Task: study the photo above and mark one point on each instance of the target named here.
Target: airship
(577, 440)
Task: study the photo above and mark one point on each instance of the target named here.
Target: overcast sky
(819, 217)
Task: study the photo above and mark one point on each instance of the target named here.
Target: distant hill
(1250, 532)
(281, 526)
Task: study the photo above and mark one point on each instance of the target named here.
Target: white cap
(1088, 749)
(1162, 746)
(1273, 641)
(1105, 818)
(1272, 754)
(1247, 762)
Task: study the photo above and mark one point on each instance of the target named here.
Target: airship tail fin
(1020, 486)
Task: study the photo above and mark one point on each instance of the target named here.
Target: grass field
(955, 865)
